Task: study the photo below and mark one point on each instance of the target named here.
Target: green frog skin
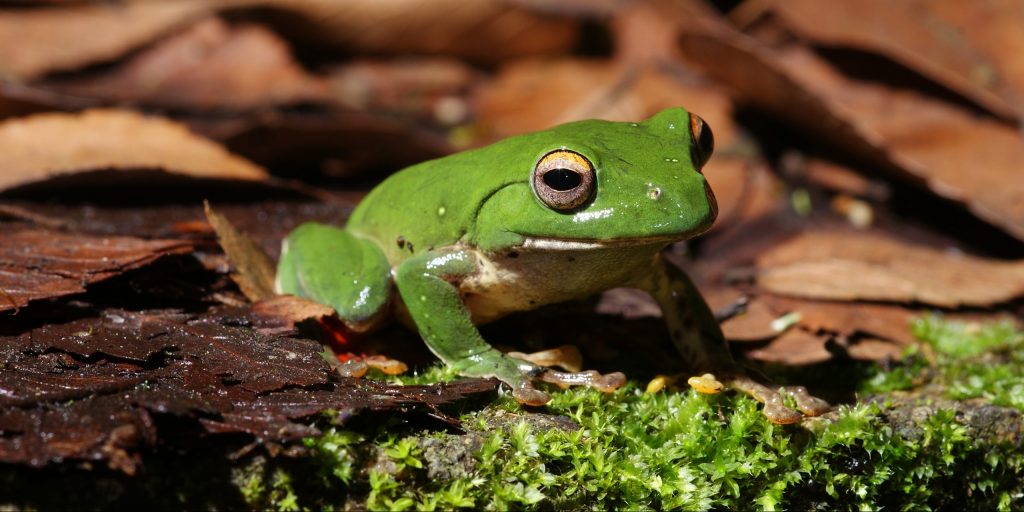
(534, 219)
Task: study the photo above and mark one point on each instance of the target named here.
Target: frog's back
(431, 204)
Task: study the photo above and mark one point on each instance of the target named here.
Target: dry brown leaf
(34, 42)
(253, 270)
(338, 144)
(753, 323)
(480, 30)
(870, 266)
(744, 188)
(832, 176)
(39, 264)
(796, 347)
(871, 349)
(282, 312)
(432, 88)
(209, 66)
(43, 146)
(971, 47)
(925, 140)
(533, 95)
(957, 155)
(885, 321)
(842, 319)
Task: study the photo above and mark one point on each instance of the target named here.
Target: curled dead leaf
(43, 146)
(482, 30)
(870, 266)
(282, 312)
(923, 140)
(208, 66)
(796, 347)
(967, 46)
(253, 269)
(532, 95)
(77, 36)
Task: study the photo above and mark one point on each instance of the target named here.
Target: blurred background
(868, 159)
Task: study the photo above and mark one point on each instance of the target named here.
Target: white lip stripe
(551, 244)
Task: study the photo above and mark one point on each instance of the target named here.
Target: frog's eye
(703, 141)
(563, 179)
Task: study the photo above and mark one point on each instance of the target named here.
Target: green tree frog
(534, 219)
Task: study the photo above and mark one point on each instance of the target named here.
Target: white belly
(527, 278)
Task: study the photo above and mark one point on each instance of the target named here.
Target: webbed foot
(775, 408)
(535, 367)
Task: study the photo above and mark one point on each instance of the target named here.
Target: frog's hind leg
(333, 267)
(697, 336)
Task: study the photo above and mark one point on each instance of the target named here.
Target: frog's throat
(557, 244)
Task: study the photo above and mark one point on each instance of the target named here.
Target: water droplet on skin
(668, 159)
(441, 211)
(675, 160)
(672, 126)
(654, 193)
(634, 125)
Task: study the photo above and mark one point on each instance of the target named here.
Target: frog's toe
(605, 383)
(528, 395)
(778, 413)
(808, 404)
(774, 405)
(706, 384)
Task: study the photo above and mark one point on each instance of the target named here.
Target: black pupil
(562, 179)
(706, 142)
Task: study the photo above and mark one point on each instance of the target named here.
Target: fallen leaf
(756, 323)
(744, 189)
(532, 95)
(966, 46)
(210, 66)
(337, 144)
(832, 176)
(254, 272)
(930, 141)
(795, 347)
(887, 322)
(869, 266)
(34, 42)
(282, 312)
(267, 222)
(923, 140)
(872, 349)
(426, 88)
(41, 264)
(44, 146)
(484, 31)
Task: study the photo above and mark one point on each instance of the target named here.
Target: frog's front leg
(699, 339)
(425, 283)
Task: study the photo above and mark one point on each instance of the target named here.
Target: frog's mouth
(559, 244)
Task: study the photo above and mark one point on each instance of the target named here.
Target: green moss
(697, 452)
(968, 361)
